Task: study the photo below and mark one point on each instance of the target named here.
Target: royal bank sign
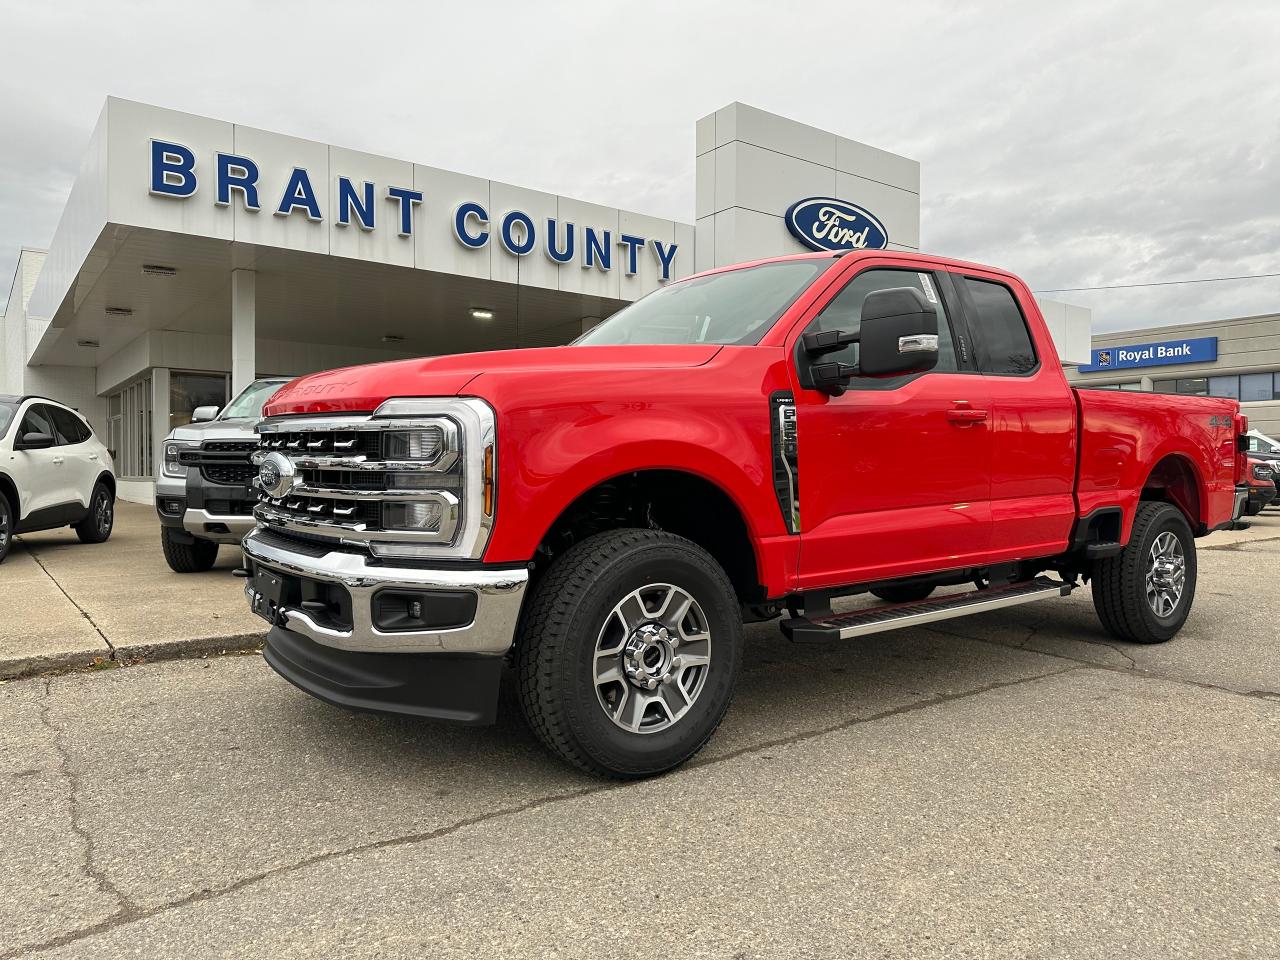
(1163, 353)
(368, 206)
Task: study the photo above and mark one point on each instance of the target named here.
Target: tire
(8, 520)
(575, 626)
(96, 526)
(194, 557)
(1120, 588)
(1252, 509)
(905, 594)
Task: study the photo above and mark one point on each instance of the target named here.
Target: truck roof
(865, 254)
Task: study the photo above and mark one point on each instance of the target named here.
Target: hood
(364, 388)
(239, 429)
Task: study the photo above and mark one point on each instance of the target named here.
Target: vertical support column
(244, 325)
(159, 416)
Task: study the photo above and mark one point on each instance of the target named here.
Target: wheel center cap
(648, 658)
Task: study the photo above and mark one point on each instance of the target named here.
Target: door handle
(966, 415)
(93, 456)
(57, 459)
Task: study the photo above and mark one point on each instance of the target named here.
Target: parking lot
(1007, 785)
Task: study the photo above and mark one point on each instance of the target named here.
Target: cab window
(1000, 335)
(845, 313)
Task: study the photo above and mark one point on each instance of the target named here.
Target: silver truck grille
(362, 479)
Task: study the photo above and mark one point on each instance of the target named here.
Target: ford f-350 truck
(605, 516)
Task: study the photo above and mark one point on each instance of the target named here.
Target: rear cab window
(1001, 339)
(71, 429)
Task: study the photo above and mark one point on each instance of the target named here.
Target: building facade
(1237, 358)
(195, 254)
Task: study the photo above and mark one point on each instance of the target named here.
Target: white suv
(53, 472)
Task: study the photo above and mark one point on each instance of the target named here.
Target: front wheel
(7, 522)
(97, 524)
(628, 653)
(1144, 593)
(195, 556)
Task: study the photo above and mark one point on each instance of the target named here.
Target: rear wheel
(904, 594)
(96, 526)
(628, 653)
(1144, 593)
(194, 557)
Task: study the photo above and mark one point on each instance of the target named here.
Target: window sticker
(927, 282)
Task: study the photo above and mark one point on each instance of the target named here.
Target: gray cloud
(1079, 144)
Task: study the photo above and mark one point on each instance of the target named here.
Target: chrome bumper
(197, 523)
(499, 594)
(1242, 497)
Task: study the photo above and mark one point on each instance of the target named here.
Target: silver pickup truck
(203, 493)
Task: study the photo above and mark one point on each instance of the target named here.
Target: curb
(127, 655)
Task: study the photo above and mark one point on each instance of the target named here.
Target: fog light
(413, 516)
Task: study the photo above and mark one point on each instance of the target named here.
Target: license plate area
(327, 604)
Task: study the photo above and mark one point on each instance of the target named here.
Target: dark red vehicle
(604, 516)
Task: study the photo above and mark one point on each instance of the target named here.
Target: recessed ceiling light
(119, 311)
(481, 313)
(392, 338)
(158, 270)
(87, 343)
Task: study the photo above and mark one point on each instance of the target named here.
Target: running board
(845, 626)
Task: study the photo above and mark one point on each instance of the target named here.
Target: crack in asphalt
(1238, 545)
(67, 770)
(70, 599)
(129, 913)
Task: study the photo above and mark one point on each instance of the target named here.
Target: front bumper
(491, 630)
(1260, 495)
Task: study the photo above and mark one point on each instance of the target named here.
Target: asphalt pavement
(1009, 785)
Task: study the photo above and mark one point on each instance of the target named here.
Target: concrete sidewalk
(69, 605)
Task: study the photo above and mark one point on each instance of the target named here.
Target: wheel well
(671, 500)
(110, 481)
(10, 493)
(1174, 480)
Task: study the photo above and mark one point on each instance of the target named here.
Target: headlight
(1261, 471)
(171, 465)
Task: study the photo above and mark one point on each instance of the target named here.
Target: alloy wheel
(1166, 574)
(652, 658)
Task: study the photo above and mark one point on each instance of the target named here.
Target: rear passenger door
(80, 459)
(1033, 418)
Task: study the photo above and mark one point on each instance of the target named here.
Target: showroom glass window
(129, 430)
(190, 390)
(1002, 341)
(845, 313)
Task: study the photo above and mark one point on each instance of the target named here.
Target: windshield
(248, 404)
(7, 410)
(735, 307)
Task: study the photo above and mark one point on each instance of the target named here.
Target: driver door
(40, 474)
(895, 473)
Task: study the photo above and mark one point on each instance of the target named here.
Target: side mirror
(899, 333)
(34, 441)
(204, 414)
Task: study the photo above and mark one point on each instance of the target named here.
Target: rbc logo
(1104, 358)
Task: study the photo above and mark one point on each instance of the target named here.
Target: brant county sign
(236, 180)
(825, 223)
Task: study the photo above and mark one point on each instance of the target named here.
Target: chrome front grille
(415, 479)
(364, 478)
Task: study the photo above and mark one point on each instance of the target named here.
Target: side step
(844, 626)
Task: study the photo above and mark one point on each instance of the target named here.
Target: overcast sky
(1077, 144)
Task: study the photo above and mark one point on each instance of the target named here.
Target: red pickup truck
(739, 445)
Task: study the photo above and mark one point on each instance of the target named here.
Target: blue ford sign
(825, 223)
(1195, 350)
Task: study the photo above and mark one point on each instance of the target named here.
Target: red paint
(948, 470)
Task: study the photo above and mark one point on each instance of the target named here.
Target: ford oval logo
(825, 223)
(276, 475)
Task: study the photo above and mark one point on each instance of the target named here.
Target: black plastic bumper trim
(462, 689)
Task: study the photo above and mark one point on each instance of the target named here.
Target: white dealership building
(195, 254)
